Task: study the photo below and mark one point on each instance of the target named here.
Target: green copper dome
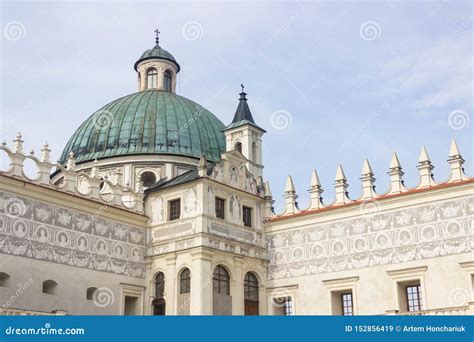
(157, 52)
(148, 122)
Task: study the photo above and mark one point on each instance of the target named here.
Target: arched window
(4, 277)
(90, 293)
(221, 281)
(168, 77)
(238, 147)
(159, 304)
(185, 281)
(49, 286)
(251, 294)
(147, 179)
(151, 78)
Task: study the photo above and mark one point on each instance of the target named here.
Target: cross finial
(242, 86)
(157, 38)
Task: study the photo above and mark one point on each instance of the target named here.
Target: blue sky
(355, 80)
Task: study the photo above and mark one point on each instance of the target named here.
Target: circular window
(148, 179)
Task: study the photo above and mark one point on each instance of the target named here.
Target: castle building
(158, 208)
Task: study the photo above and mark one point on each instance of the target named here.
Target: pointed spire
(291, 206)
(396, 176)
(425, 167)
(315, 191)
(395, 163)
(423, 156)
(454, 149)
(368, 181)
(340, 176)
(341, 186)
(243, 114)
(455, 162)
(290, 187)
(267, 192)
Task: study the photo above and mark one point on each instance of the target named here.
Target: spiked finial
(423, 156)
(45, 153)
(395, 163)
(290, 187)
(340, 176)
(455, 162)
(366, 168)
(18, 144)
(315, 191)
(368, 181)
(71, 162)
(268, 192)
(454, 149)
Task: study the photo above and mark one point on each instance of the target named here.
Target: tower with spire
(245, 136)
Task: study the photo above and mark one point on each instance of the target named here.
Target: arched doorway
(251, 302)
(159, 303)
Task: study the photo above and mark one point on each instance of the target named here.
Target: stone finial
(396, 176)
(425, 167)
(291, 206)
(45, 153)
(18, 144)
(119, 178)
(455, 162)
(202, 166)
(94, 169)
(368, 181)
(267, 192)
(341, 186)
(315, 191)
(71, 162)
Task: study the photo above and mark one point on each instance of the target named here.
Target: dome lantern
(157, 69)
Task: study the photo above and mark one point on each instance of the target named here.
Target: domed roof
(148, 122)
(157, 52)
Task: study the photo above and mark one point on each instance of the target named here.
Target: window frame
(248, 216)
(160, 285)
(417, 301)
(220, 213)
(347, 305)
(167, 76)
(185, 281)
(221, 277)
(174, 213)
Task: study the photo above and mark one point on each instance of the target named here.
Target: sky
(331, 82)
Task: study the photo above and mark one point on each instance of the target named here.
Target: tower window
(247, 216)
(220, 208)
(238, 147)
(174, 209)
(167, 80)
(151, 77)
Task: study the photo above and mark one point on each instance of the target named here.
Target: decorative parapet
(73, 181)
(396, 187)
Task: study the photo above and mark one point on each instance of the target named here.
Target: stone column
(238, 294)
(201, 282)
(170, 284)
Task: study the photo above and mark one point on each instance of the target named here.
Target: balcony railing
(21, 312)
(452, 311)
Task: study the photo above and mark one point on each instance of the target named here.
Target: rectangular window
(346, 301)
(414, 298)
(247, 216)
(220, 208)
(174, 209)
(288, 306)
